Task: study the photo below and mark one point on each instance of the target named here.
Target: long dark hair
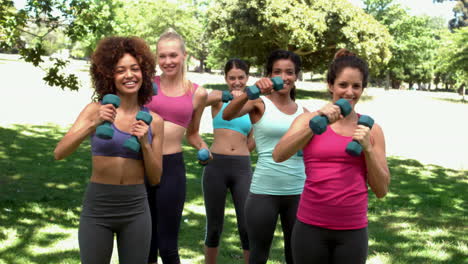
(284, 55)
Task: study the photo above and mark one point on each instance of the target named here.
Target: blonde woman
(180, 103)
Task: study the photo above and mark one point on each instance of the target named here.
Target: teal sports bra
(241, 124)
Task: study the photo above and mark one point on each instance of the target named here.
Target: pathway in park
(416, 124)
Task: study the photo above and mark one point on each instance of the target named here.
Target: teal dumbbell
(318, 124)
(300, 153)
(155, 88)
(203, 155)
(354, 148)
(226, 96)
(132, 143)
(105, 131)
(253, 92)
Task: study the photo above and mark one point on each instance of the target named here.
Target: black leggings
(261, 213)
(312, 244)
(114, 209)
(166, 202)
(222, 173)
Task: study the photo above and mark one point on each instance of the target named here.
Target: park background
(419, 64)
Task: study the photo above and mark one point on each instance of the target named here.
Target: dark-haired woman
(230, 168)
(331, 222)
(276, 187)
(115, 201)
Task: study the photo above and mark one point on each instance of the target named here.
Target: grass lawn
(422, 220)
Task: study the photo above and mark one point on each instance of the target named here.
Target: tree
(415, 39)
(460, 13)
(148, 19)
(452, 59)
(313, 29)
(77, 19)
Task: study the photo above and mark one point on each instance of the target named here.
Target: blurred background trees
(420, 52)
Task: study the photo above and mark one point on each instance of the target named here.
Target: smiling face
(285, 69)
(171, 57)
(236, 79)
(127, 75)
(347, 85)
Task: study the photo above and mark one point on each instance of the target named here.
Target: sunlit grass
(422, 220)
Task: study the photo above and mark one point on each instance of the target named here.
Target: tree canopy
(313, 29)
(77, 20)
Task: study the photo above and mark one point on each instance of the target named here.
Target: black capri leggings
(312, 244)
(166, 202)
(222, 173)
(114, 209)
(261, 213)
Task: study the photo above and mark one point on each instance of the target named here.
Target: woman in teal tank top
(230, 168)
(276, 187)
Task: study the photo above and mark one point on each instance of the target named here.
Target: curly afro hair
(107, 54)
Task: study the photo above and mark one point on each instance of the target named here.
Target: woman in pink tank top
(180, 103)
(331, 225)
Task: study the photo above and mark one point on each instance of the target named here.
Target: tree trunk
(387, 81)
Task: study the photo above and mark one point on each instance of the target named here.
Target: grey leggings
(114, 209)
(312, 244)
(222, 173)
(261, 212)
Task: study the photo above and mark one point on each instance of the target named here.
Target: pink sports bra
(178, 109)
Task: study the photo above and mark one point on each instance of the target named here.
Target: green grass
(422, 220)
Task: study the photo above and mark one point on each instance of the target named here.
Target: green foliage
(313, 29)
(452, 58)
(415, 42)
(27, 31)
(149, 19)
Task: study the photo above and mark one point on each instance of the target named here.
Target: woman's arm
(152, 151)
(297, 136)
(241, 104)
(89, 118)
(378, 174)
(214, 98)
(300, 133)
(192, 134)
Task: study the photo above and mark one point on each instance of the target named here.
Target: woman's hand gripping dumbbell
(354, 148)
(319, 123)
(253, 91)
(109, 103)
(139, 128)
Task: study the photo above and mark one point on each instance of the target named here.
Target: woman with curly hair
(115, 201)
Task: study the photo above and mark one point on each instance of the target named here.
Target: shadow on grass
(38, 192)
(422, 219)
(451, 100)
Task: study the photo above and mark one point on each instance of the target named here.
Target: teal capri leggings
(114, 209)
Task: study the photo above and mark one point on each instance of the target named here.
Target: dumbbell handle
(354, 148)
(226, 96)
(132, 143)
(105, 130)
(319, 123)
(253, 92)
